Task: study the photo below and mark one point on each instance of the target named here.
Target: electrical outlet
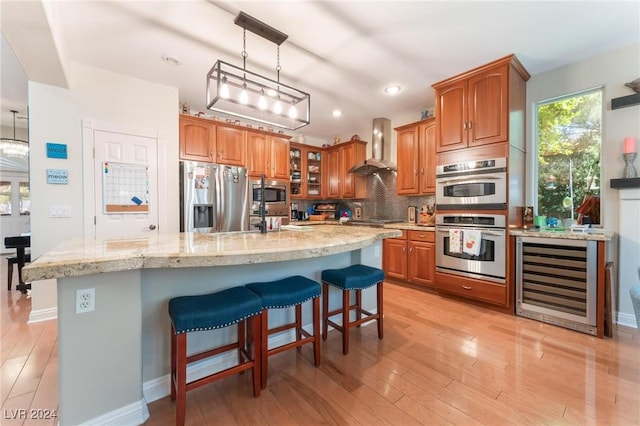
(376, 251)
(85, 300)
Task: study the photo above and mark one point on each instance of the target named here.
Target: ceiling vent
(381, 149)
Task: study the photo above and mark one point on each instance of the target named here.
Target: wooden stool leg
(298, 324)
(325, 310)
(256, 343)
(264, 347)
(316, 331)
(181, 378)
(173, 364)
(346, 302)
(380, 312)
(358, 306)
(242, 341)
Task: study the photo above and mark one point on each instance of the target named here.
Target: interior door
(125, 184)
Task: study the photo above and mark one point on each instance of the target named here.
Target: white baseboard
(627, 320)
(132, 414)
(43, 315)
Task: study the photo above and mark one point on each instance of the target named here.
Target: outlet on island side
(85, 300)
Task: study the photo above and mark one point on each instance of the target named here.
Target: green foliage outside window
(569, 138)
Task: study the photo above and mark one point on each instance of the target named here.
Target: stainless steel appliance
(276, 204)
(213, 198)
(556, 282)
(451, 257)
(473, 185)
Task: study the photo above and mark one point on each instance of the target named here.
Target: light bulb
(224, 89)
(262, 101)
(293, 112)
(244, 96)
(277, 107)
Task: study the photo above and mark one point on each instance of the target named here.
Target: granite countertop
(409, 226)
(593, 234)
(185, 250)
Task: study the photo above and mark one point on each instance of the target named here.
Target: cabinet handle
(411, 250)
(422, 171)
(404, 249)
(470, 125)
(422, 236)
(464, 125)
(466, 287)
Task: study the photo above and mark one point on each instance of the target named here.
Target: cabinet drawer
(426, 236)
(473, 289)
(403, 236)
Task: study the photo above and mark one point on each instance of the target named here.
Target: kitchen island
(113, 360)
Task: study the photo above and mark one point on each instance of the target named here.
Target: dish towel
(471, 242)
(455, 237)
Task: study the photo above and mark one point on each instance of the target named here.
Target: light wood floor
(440, 362)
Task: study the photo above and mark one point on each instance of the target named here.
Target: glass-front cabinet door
(296, 167)
(314, 173)
(305, 164)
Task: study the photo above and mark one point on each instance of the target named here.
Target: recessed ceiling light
(171, 60)
(392, 90)
(337, 113)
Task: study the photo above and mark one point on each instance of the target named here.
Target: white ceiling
(341, 52)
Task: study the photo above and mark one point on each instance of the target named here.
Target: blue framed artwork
(56, 150)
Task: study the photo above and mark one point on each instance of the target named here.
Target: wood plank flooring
(441, 362)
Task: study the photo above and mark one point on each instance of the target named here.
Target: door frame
(88, 177)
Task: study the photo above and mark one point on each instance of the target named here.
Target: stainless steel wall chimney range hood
(381, 149)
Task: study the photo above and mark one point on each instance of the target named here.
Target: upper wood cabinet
(268, 155)
(307, 171)
(416, 158)
(197, 139)
(340, 158)
(231, 146)
(474, 108)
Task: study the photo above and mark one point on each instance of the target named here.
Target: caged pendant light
(241, 93)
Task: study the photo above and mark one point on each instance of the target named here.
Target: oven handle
(470, 179)
(484, 232)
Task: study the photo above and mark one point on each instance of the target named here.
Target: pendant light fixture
(13, 147)
(241, 93)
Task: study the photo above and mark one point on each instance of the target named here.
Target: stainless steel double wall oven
(468, 196)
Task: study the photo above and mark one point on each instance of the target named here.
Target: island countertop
(79, 257)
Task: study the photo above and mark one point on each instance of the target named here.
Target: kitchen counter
(186, 250)
(592, 234)
(120, 351)
(409, 226)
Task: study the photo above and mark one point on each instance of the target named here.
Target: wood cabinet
(231, 146)
(416, 158)
(394, 257)
(268, 155)
(307, 173)
(197, 139)
(340, 158)
(410, 257)
(421, 257)
(475, 108)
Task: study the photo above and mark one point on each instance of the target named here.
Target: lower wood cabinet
(410, 257)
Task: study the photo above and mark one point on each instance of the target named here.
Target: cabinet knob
(464, 125)
(411, 250)
(470, 125)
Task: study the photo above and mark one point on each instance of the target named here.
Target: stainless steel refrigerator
(213, 198)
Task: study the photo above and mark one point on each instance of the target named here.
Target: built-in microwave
(480, 184)
(276, 197)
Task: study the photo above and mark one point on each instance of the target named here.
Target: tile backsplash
(383, 201)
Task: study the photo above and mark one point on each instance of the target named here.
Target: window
(5, 198)
(25, 199)
(568, 139)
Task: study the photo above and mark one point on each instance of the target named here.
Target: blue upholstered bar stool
(355, 277)
(206, 312)
(290, 291)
